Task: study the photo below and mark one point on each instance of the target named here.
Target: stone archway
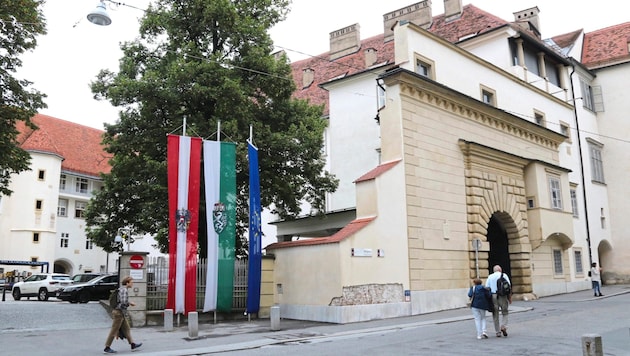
(495, 199)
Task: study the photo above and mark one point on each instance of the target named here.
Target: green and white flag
(220, 184)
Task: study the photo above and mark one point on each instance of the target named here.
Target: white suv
(40, 285)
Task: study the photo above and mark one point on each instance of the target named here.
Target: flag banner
(220, 185)
(184, 168)
(255, 234)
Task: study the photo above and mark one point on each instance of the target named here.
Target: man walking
(119, 322)
(500, 298)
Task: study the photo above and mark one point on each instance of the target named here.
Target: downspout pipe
(579, 140)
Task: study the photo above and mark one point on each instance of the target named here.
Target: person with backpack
(501, 289)
(119, 320)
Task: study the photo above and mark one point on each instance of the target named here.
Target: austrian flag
(184, 168)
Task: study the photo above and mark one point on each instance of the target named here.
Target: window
(531, 203)
(38, 204)
(539, 118)
(579, 268)
(89, 244)
(574, 205)
(62, 182)
(62, 207)
(565, 129)
(425, 67)
(34, 259)
(555, 193)
(587, 95)
(488, 96)
(79, 209)
(557, 262)
(36, 237)
(602, 218)
(64, 240)
(41, 174)
(597, 165)
(82, 185)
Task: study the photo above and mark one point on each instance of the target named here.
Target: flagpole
(184, 127)
(219, 131)
(251, 134)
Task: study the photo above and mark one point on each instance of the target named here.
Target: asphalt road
(548, 326)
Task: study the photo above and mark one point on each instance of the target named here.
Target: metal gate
(157, 283)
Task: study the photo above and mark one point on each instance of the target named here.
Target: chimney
(279, 55)
(452, 9)
(418, 14)
(344, 41)
(308, 75)
(529, 16)
(370, 57)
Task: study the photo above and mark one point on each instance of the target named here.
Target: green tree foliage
(20, 23)
(207, 61)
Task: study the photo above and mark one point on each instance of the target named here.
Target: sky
(69, 57)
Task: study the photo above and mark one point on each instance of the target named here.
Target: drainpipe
(577, 130)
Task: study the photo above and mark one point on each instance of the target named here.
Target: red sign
(136, 261)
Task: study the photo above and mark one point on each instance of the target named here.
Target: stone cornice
(432, 93)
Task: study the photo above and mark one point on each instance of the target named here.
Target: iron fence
(157, 283)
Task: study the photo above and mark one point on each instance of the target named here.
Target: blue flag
(255, 234)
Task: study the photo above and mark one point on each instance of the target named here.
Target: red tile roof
(472, 20)
(606, 46)
(78, 145)
(342, 234)
(380, 169)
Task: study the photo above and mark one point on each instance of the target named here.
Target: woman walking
(481, 301)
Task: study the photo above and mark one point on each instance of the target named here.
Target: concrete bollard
(168, 319)
(193, 324)
(275, 317)
(592, 345)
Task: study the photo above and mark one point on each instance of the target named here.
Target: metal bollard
(193, 324)
(592, 345)
(168, 319)
(275, 317)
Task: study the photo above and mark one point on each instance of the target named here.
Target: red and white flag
(184, 166)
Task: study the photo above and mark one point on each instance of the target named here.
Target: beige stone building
(482, 157)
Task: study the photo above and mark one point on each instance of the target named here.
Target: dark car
(84, 277)
(96, 289)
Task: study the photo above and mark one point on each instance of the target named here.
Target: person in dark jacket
(119, 322)
(481, 302)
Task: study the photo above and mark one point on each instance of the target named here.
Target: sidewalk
(240, 335)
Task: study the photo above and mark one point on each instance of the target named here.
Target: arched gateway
(497, 213)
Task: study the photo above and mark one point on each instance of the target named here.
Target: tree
(207, 61)
(20, 22)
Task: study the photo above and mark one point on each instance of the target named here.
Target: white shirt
(491, 282)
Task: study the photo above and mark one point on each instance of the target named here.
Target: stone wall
(370, 294)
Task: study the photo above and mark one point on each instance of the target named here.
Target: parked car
(40, 285)
(96, 289)
(84, 277)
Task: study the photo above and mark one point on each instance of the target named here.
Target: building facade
(488, 153)
(43, 220)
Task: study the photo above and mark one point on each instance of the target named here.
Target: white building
(42, 220)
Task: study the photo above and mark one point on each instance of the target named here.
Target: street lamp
(99, 16)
